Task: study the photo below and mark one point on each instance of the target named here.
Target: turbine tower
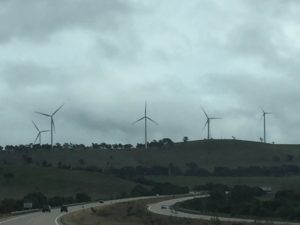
(146, 118)
(51, 121)
(39, 136)
(208, 119)
(264, 115)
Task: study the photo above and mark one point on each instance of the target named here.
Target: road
(165, 208)
(52, 218)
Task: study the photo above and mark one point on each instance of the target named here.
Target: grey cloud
(39, 18)
(105, 58)
(22, 75)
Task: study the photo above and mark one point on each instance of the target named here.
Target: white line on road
(56, 219)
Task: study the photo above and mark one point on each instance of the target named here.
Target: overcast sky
(104, 58)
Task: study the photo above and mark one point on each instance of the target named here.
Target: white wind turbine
(51, 121)
(146, 118)
(264, 116)
(208, 119)
(39, 135)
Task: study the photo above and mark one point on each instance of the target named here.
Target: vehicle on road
(63, 208)
(164, 207)
(101, 201)
(46, 208)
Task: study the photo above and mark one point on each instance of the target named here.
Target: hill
(59, 182)
(65, 172)
(206, 153)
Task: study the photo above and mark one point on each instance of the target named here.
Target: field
(37, 170)
(206, 153)
(54, 181)
(277, 183)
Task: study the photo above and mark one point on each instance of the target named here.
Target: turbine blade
(43, 131)
(205, 113)
(152, 120)
(145, 107)
(57, 109)
(262, 109)
(44, 114)
(215, 118)
(138, 120)
(205, 125)
(35, 126)
(37, 137)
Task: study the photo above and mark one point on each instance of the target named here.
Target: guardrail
(25, 211)
(37, 210)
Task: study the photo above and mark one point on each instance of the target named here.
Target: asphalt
(53, 217)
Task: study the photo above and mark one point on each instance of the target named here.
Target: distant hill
(60, 182)
(67, 172)
(206, 153)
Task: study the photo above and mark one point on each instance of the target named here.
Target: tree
(37, 199)
(185, 139)
(82, 197)
(140, 190)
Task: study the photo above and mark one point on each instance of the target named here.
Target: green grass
(277, 183)
(54, 181)
(207, 154)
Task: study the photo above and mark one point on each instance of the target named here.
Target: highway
(165, 208)
(53, 218)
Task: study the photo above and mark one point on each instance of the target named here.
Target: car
(163, 207)
(46, 208)
(63, 208)
(101, 201)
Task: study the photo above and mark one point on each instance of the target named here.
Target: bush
(37, 199)
(82, 197)
(140, 190)
(58, 201)
(10, 205)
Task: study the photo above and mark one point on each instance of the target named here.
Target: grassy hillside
(54, 181)
(206, 153)
(277, 183)
(30, 175)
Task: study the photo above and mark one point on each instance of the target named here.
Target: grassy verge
(131, 213)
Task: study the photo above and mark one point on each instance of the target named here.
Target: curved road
(52, 218)
(165, 208)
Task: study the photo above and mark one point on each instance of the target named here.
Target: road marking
(56, 219)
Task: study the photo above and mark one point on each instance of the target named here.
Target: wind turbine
(208, 119)
(51, 121)
(146, 118)
(39, 136)
(264, 115)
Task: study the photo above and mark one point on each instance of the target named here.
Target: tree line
(160, 144)
(192, 169)
(242, 200)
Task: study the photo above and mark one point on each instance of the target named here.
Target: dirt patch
(131, 213)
